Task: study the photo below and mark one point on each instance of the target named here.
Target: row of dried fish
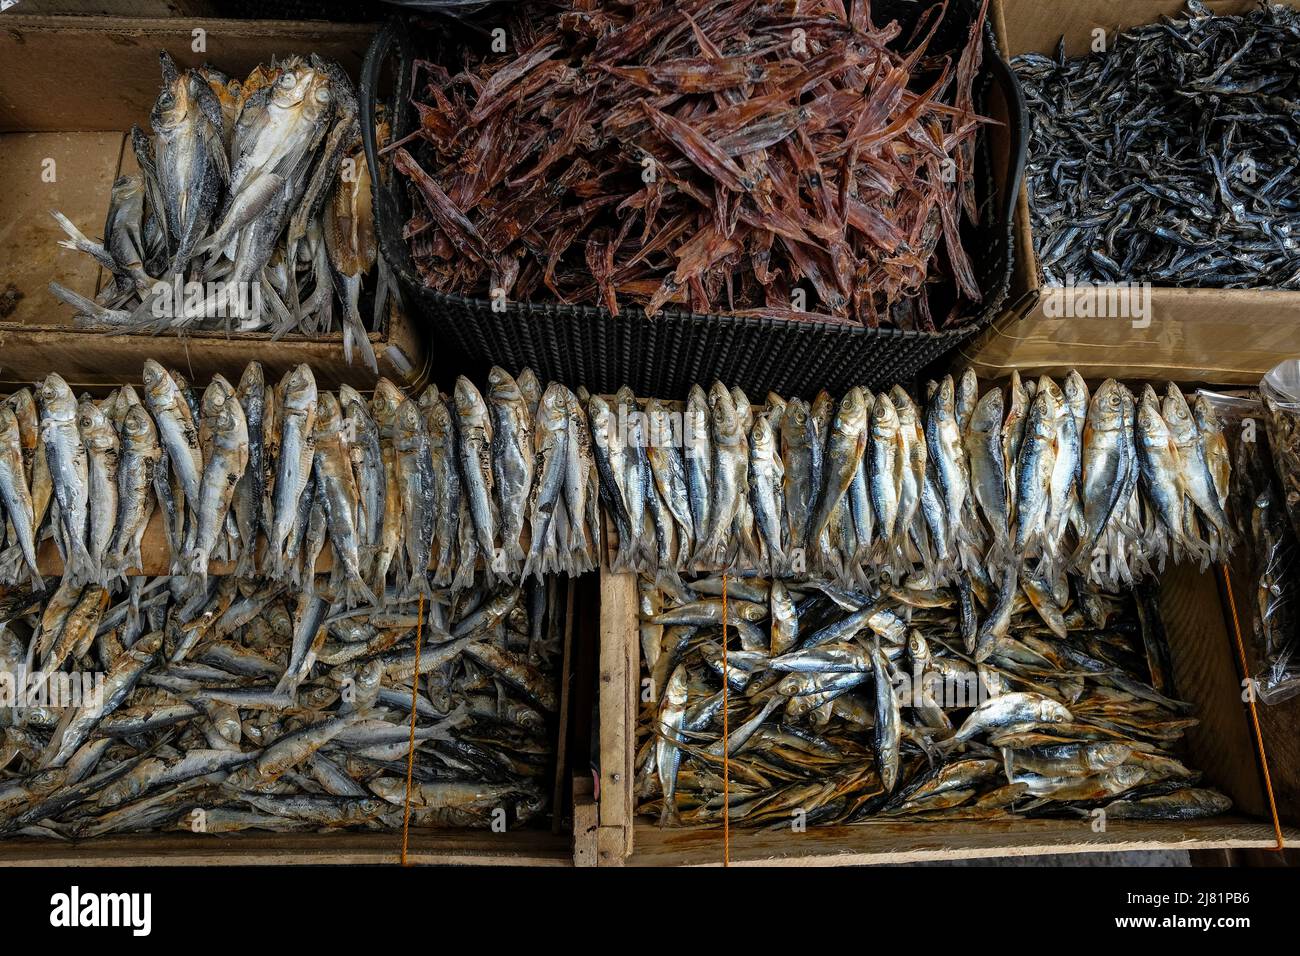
(1169, 157)
(240, 706)
(719, 156)
(254, 192)
(419, 492)
(826, 705)
(1040, 477)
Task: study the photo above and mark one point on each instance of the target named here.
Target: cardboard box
(1222, 336)
(70, 89)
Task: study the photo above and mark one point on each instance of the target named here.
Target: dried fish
(653, 155)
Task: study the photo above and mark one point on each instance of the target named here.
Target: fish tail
(356, 592)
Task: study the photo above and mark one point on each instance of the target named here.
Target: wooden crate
(1223, 746)
(524, 847)
(70, 89)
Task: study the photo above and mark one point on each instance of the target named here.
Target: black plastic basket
(664, 354)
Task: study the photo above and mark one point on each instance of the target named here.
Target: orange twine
(410, 753)
(726, 734)
(1254, 713)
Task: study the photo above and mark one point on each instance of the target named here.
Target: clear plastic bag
(1280, 390)
(1270, 556)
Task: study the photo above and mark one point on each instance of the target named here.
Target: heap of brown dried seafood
(843, 707)
(793, 160)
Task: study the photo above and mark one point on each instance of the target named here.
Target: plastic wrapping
(1269, 561)
(1280, 390)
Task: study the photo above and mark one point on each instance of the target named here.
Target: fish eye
(287, 81)
(322, 95)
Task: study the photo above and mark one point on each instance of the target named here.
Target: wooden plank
(566, 679)
(52, 62)
(874, 843)
(98, 361)
(477, 848)
(618, 682)
(82, 167)
(586, 821)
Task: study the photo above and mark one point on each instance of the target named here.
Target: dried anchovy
(702, 155)
(1171, 157)
(844, 708)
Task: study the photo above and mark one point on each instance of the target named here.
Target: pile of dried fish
(1280, 390)
(721, 156)
(1170, 157)
(1270, 561)
(250, 706)
(1043, 481)
(252, 209)
(841, 707)
(415, 492)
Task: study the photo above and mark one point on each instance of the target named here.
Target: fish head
(1107, 755)
(1152, 428)
(469, 402)
(96, 431)
(823, 407)
(253, 379)
(349, 395)
(852, 413)
(437, 416)
(529, 806)
(1176, 412)
(22, 403)
(56, 397)
(602, 419)
(158, 383)
(987, 417)
(328, 416)
(529, 387)
(553, 408)
(761, 438)
(1107, 407)
(215, 397)
(1125, 776)
(502, 385)
(1076, 392)
(945, 397)
(137, 424)
(741, 401)
(898, 395)
(794, 422)
(1042, 414)
(917, 646)
(175, 104)
(1053, 712)
(300, 388)
(408, 417)
(9, 432)
(387, 400)
(1207, 419)
(884, 418)
(722, 410)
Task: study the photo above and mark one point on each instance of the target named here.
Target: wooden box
(70, 89)
(1223, 747)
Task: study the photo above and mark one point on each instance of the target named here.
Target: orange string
(1254, 713)
(726, 734)
(410, 753)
